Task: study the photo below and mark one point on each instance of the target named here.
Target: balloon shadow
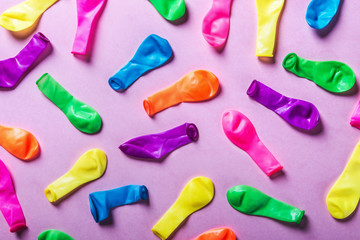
(181, 20)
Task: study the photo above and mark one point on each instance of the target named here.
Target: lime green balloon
(331, 75)
(251, 201)
(170, 9)
(53, 234)
(81, 115)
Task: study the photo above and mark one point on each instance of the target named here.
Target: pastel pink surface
(311, 163)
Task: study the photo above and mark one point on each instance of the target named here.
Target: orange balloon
(195, 86)
(20, 143)
(217, 234)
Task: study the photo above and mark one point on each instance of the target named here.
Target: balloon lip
(192, 132)
(253, 88)
(289, 60)
(93, 209)
(42, 77)
(42, 37)
(17, 227)
(144, 193)
(115, 84)
(275, 170)
(148, 107)
(50, 194)
(298, 220)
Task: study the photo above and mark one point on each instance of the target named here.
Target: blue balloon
(153, 52)
(320, 12)
(102, 202)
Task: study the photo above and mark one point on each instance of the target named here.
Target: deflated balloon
(53, 234)
(197, 193)
(241, 132)
(296, 112)
(102, 202)
(158, 145)
(217, 234)
(251, 201)
(195, 86)
(12, 70)
(171, 10)
(320, 12)
(81, 115)
(331, 75)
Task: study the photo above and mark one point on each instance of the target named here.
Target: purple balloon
(12, 70)
(298, 113)
(156, 146)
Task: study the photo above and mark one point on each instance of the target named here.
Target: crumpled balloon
(89, 167)
(102, 202)
(217, 234)
(158, 145)
(197, 193)
(19, 142)
(9, 203)
(153, 52)
(241, 132)
(81, 115)
(24, 15)
(195, 86)
(320, 12)
(355, 118)
(331, 75)
(88, 13)
(296, 112)
(216, 24)
(171, 10)
(53, 234)
(251, 201)
(12, 70)
(268, 12)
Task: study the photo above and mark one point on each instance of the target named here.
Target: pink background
(311, 162)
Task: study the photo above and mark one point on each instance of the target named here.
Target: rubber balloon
(216, 24)
(9, 203)
(53, 234)
(89, 167)
(81, 115)
(241, 132)
(158, 145)
(344, 195)
(19, 142)
(197, 193)
(102, 202)
(195, 86)
(153, 52)
(88, 14)
(296, 112)
(355, 118)
(331, 75)
(171, 10)
(24, 15)
(12, 70)
(320, 12)
(251, 201)
(268, 12)
(217, 234)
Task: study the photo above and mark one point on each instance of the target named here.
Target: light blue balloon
(320, 12)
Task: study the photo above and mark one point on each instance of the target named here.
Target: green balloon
(81, 115)
(251, 201)
(331, 75)
(53, 234)
(171, 10)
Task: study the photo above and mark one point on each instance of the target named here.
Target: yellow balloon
(268, 12)
(196, 194)
(90, 166)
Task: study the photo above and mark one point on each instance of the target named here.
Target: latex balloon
(171, 10)
(24, 15)
(153, 52)
(268, 12)
(320, 12)
(216, 24)
(88, 13)
(197, 193)
(9, 203)
(81, 115)
(331, 75)
(355, 118)
(296, 112)
(251, 201)
(195, 86)
(14, 69)
(19, 142)
(102, 202)
(89, 167)
(241, 132)
(53, 234)
(217, 234)
(344, 195)
(158, 145)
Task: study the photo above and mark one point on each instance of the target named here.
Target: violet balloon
(158, 145)
(296, 112)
